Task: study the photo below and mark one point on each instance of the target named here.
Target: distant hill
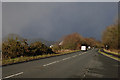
(47, 43)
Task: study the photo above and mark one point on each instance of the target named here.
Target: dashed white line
(51, 63)
(44, 65)
(62, 59)
(84, 53)
(66, 58)
(84, 75)
(74, 56)
(13, 75)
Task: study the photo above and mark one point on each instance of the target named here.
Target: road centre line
(13, 75)
(84, 53)
(62, 59)
(66, 58)
(50, 63)
(74, 56)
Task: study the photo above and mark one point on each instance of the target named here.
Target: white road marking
(44, 65)
(84, 75)
(66, 58)
(51, 63)
(13, 75)
(62, 59)
(84, 53)
(74, 56)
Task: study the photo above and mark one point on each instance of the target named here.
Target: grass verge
(115, 58)
(116, 53)
(25, 59)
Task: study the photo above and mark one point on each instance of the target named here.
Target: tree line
(109, 40)
(74, 41)
(111, 36)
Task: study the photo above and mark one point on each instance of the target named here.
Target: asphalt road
(89, 64)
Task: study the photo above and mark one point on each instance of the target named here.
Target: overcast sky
(51, 21)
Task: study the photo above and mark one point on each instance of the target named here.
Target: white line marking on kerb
(13, 75)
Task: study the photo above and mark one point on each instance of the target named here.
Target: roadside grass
(115, 58)
(25, 59)
(116, 52)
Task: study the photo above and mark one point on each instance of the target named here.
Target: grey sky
(51, 21)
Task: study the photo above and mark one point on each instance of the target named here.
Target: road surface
(89, 64)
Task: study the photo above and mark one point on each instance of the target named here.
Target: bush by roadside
(29, 58)
(14, 48)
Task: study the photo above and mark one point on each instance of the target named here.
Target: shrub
(38, 48)
(12, 48)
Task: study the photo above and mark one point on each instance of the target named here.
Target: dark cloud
(51, 21)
